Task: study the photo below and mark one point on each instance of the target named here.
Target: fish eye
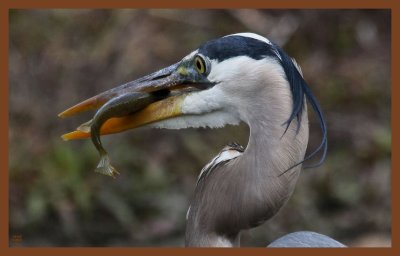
(200, 64)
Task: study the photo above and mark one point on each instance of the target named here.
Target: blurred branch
(279, 29)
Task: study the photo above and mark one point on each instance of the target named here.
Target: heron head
(206, 88)
(210, 87)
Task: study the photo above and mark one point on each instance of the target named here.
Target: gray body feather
(305, 239)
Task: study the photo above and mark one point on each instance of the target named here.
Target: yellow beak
(159, 110)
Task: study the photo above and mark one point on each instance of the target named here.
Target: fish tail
(105, 167)
(85, 127)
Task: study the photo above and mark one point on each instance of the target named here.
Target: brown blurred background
(60, 57)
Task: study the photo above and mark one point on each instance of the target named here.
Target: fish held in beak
(149, 99)
(170, 86)
(120, 106)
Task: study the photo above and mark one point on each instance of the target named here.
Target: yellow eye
(200, 65)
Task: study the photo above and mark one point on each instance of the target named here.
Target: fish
(119, 106)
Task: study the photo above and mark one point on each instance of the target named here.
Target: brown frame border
(5, 5)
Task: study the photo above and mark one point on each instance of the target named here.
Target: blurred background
(60, 57)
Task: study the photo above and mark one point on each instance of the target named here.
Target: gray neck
(252, 188)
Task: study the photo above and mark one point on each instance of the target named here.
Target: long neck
(252, 188)
(272, 153)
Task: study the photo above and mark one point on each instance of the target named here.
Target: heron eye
(200, 65)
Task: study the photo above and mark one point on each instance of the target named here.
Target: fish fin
(85, 127)
(104, 167)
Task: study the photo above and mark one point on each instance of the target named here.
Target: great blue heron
(236, 78)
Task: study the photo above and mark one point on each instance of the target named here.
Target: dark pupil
(198, 63)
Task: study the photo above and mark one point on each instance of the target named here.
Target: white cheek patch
(202, 109)
(203, 101)
(228, 70)
(210, 120)
(236, 69)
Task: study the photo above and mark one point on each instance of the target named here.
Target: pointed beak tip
(64, 137)
(61, 115)
(86, 105)
(66, 113)
(75, 135)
